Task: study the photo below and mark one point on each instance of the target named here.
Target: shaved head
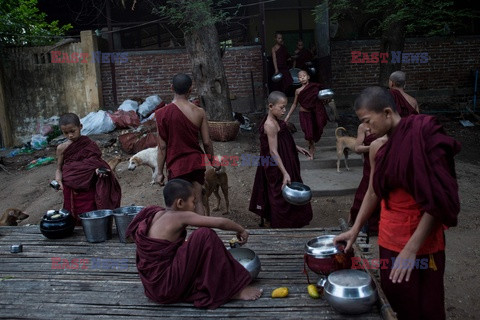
(181, 83)
(276, 96)
(177, 189)
(398, 79)
(69, 118)
(375, 99)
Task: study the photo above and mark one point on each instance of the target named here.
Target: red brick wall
(446, 78)
(150, 72)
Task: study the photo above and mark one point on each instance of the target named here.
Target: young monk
(406, 104)
(279, 166)
(413, 175)
(362, 145)
(280, 57)
(302, 55)
(79, 162)
(313, 117)
(198, 270)
(179, 124)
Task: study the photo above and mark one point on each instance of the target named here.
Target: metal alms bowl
(297, 193)
(277, 77)
(325, 94)
(323, 257)
(349, 291)
(248, 259)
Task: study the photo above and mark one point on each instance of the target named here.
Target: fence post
(93, 78)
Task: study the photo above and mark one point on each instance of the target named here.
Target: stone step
(324, 140)
(329, 182)
(328, 159)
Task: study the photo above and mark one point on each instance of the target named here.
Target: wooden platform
(32, 287)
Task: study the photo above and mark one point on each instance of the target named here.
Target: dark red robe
(362, 190)
(83, 191)
(267, 200)
(303, 56)
(184, 154)
(403, 107)
(312, 122)
(283, 67)
(198, 270)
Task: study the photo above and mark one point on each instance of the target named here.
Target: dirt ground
(29, 191)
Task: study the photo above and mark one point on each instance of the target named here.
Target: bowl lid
(323, 246)
(349, 278)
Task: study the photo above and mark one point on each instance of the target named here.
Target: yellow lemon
(281, 292)
(312, 291)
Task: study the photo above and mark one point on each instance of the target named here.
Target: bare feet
(248, 293)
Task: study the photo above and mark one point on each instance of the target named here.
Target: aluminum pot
(277, 77)
(248, 259)
(323, 257)
(349, 291)
(325, 94)
(123, 216)
(297, 193)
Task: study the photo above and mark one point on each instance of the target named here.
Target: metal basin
(248, 259)
(297, 193)
(325, 94)
(349, 291)
(277, 77)
(123, 216)
(97, 225)
(294, 73)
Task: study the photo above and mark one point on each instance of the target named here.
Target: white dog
(147, 157)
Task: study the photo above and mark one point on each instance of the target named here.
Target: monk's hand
(102, 172)
(350, 236)
(403, 266)
(242, 236)
(303, 151)
(286, 180)
(160, 179)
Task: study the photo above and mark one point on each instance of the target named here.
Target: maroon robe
(83, 191)
(184, 154)
(303, 56)
(418, 157)
(198, 270)
(403, 107)
(267, 200)
(313, 121)
(282, 65)
(362, 190)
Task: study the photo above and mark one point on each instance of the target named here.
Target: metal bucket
(123, 216)
(97, 225)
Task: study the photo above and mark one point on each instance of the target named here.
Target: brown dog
(213, 181)
(11, 216)
(344, 143)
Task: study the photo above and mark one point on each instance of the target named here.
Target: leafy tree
(399, 19)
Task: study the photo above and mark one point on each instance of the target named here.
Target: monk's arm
(369, 202)
(361, 133)
(272, 135)
(58, 171)
(196, 220)
(207, 142)
(415, 105)
(162, 154)
(294, 105)
(406, 258)
(274, 58)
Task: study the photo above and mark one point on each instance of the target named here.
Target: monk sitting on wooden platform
(198, 270)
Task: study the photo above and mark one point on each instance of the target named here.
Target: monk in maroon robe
(414, 176)
(302, 56)
(179, 125)
(313, 116)
(85, 188)
(199, 269)
(280, 58)
(406, 104)
(279, 165)
(404, 108)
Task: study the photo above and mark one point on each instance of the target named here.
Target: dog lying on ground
(11, 216)
(344, 143)
(146, 157)
(213, 181)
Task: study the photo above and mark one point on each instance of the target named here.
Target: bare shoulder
(270, 127)
(62, 146)
(377, 144)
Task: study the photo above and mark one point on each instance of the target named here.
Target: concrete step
(328, 159)
(329, 182)
(324, 140)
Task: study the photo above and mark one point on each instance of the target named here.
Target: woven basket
(223, 130)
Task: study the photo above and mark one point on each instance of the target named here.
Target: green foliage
(420, 17)
(192, 15)
(22, 23)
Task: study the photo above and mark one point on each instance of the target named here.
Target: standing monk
(179, 125)
(302, 56)
(280, 58)
(406, 104)
(413, 174)
(277, 146)
(313, 117)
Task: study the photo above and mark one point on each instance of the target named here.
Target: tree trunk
(208, 72)
(393, 39)
(6, 133)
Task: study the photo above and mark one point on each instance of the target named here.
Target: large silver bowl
(297, 193)
(248, 259)
(349, 291)
(277, 77)
(325, 94)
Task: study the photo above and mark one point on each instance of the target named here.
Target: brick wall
(150, 72)
(445, 79)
